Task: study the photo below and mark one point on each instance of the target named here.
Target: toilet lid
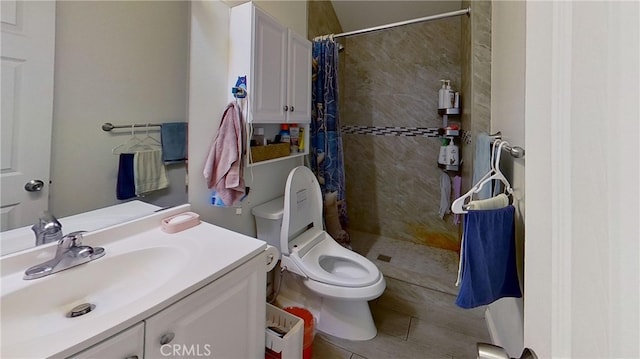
(302, 206)
(329, 262)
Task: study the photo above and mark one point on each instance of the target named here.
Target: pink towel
(223, 168)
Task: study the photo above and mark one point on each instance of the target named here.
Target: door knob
(490, 351)
(166, 338)
(34, 186)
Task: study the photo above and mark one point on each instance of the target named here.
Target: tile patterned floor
(416, 315)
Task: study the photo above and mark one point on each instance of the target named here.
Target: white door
(28, 41)
(582, 293)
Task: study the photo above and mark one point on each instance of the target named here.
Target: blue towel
(125, 186)
(482, 163)
(488, 258)
(173, 136)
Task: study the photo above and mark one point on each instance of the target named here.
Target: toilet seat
(330, 263)
(307, 248)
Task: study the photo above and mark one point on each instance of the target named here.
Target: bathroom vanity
(199, 292)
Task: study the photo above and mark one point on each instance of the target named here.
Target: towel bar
(514, 151)
(108, 126)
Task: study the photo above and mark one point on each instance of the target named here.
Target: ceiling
(356, 15)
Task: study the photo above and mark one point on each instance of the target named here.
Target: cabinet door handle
(167, 338)
(132, 357)
(291, 109)
(286, 108)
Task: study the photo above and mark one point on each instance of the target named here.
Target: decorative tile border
(391, 131)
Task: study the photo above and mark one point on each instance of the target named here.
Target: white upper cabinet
(277, 63)
(299, 75)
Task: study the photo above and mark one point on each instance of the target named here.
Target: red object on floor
(270, 354)
(309, 332)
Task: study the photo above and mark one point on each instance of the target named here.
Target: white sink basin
(108, 283)
(143, 271)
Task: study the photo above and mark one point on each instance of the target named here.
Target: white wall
(208, 93)
(505, 316)
(121, 62)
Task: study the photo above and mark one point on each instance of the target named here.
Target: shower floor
(416, 315)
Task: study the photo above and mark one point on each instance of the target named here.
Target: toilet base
(346, 319)
(351, 320)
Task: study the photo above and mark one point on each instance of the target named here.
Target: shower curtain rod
(406, 22)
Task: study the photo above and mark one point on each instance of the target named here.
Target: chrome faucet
(70, 253)
(47, 229)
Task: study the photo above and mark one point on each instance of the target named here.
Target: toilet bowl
(341, 280)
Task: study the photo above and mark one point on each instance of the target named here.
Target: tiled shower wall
(392, 78)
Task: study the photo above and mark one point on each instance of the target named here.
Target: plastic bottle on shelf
(442, 155)
(452, 154)
(285, 136)
(294, 133)
(441, 94)
(449, 96)
(301, 140)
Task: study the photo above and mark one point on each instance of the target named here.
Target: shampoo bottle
(449, 96)
(284, 133)
(441, 95)
(452, 154)
(442, 155)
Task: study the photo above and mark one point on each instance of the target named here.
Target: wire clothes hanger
(459, 206)
(135, 143)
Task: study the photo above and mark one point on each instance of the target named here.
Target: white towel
(149, 173)
(499, 201)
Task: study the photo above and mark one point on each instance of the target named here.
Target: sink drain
(81, 309)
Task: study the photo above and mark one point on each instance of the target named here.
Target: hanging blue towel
(488, 258)
(173, 136)
(125, 186)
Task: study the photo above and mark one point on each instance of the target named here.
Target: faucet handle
(73, 239)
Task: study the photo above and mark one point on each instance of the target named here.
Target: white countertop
(125, 288)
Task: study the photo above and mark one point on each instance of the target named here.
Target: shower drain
(80, 310)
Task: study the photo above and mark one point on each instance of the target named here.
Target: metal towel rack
(514, 151)
(108, 126)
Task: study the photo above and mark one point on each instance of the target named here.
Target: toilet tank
(269, 220)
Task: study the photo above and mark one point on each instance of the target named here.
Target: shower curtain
(327, 160)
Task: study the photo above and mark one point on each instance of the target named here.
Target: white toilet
(342, 280)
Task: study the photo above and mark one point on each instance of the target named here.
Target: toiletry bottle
(452, 154)
(441, 95)
(301, 140)
(442, 155)
(284, 133)
(449, 96)
(294, 133)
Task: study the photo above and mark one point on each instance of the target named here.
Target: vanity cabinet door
(225, 319)
(128, 344)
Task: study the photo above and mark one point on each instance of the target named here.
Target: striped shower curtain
(327, 160)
